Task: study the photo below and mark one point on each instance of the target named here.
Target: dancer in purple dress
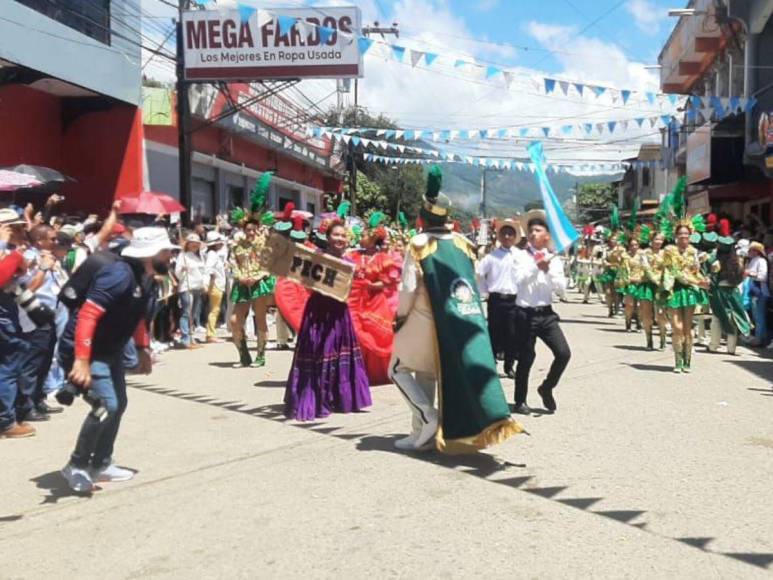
(328, 372)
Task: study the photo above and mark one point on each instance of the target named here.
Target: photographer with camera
(45, 281)
(12, 344)
(110, 299)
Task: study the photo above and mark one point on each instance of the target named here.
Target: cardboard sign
(316, 271)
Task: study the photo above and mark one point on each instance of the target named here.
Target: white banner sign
(284, 43)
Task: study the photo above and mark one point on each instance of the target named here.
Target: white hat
(214, 237)
(191, 238)
(9, 217)
(147, 242)
(742, 247)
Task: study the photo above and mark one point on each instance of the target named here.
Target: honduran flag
(561, 229)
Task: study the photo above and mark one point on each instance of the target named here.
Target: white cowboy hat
(512, 223)
(214, 237)
(9, 217)
(147, 242)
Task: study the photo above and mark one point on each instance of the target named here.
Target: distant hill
(506, 191)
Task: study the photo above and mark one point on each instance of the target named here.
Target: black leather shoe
(35, 415)
(522, 409)
(47, 409)
(509, 373)
(547, 398)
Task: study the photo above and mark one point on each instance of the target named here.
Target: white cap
(147, 242)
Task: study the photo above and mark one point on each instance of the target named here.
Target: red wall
(101, 150)
(213, 140)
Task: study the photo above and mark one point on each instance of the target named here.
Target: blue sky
(602, 42)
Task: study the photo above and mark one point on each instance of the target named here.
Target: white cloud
(646, 15)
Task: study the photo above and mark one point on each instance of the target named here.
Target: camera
(39, 313)
(66, 395)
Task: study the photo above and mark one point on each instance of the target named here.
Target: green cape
(473, 411)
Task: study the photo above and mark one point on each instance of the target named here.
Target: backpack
(73, 293)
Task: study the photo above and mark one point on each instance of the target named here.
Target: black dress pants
(502, 321)
(539, 323)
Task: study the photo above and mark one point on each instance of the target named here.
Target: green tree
(400, 187)
(593, 201)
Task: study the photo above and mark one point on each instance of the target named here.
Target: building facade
(719, 53)
(69, 94)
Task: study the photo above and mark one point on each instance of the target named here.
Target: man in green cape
(442, 342)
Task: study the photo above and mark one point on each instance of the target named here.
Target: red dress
(372, 309)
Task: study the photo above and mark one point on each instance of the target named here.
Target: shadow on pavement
(57, 487)
(656, 368)
(631, 347)
(761, 368)
(271, 384)
(576, 321)
(480, 465)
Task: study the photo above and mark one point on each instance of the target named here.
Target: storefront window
(89, 17)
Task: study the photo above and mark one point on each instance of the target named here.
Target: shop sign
(699, 154)
(220, 45)
(698, 203)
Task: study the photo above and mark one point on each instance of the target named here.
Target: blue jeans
(34, 368)
(190, 304)
(760, 314)
(12, 350)
(97, 436)
(130, 357)
(55, 378)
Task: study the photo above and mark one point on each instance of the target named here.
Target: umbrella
(150, 202)
(50, 179)
(13, 180)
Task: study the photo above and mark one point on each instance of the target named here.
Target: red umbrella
(150, 202)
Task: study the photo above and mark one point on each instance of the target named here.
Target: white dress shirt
(496, 272)
(535, 287)
(758, 269)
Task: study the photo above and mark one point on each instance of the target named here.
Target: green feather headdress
(631, 224)
(238, 215)
(375, 219)
(614, 218)
(434, 183)
(260, 192)
(402, 220)
(343, 209)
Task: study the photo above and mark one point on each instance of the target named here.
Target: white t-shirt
(190, 272)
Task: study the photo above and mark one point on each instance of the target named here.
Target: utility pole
(366, 31)
(183, 119)
(482, 207)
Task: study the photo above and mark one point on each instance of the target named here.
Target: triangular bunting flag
(650, 98)
(364, 44)
(600, 127)
(588, 127)
(509, 78)
(580, 87)
(286, 24)
(546, 131)
(673, 99)
(458, 63)
(416, 56)
(625, 95)
(399, 134)
(599, 91)
(246, 12)
(429, 58)
(325, 33)
(564, 86)
(639, 121)
(523, 131)
(550, 85)
(398, 52)
(492, 71)
(356, 141)
(612, 125)
(665, 119)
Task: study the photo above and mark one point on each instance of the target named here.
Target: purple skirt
(328, 372)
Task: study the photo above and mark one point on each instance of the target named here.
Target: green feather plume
(614, 218)
(678, 201)
(375, 219)
(699, 224)
(260, 192)
(343, 209)
(631, 225)
(645, 234)
(402, 220)
(268, 219)
(434, 182)
(237, 215)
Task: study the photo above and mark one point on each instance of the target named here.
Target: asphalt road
(641, 473)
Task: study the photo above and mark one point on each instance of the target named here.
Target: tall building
(719, 53)
(69, 94)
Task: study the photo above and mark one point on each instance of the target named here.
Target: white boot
(419, 391)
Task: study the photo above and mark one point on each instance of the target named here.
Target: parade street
(640, 473)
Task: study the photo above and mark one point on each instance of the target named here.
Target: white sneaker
(78, 479)
(111, 474)
(200, 330)
(407, 443)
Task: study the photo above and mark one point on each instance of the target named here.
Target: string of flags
(515, 165)
(463, 66)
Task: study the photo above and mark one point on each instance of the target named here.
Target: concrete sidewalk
(640, 473)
